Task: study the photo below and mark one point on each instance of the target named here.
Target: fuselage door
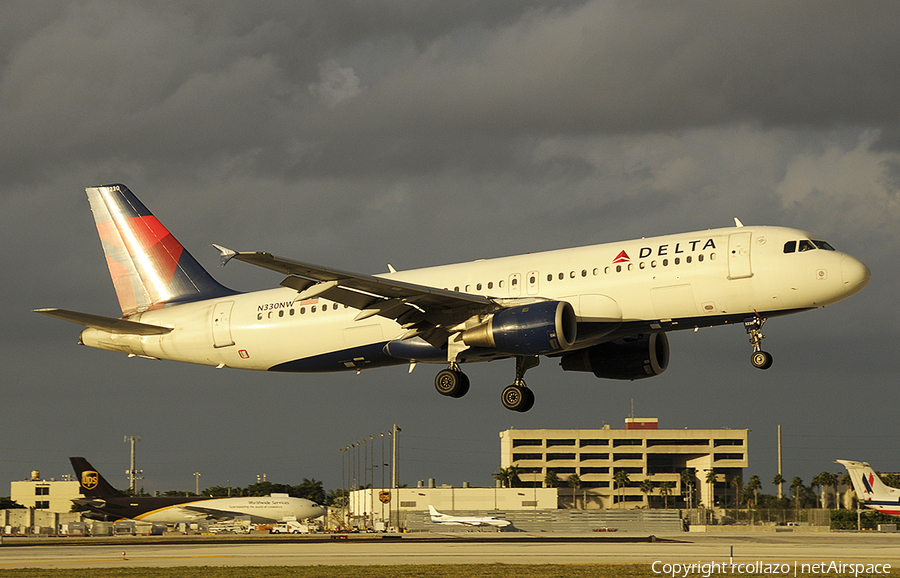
(221, 324)
(739, 256)
(515, 285)
(532, 282)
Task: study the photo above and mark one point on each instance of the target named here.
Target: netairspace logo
(707, 569)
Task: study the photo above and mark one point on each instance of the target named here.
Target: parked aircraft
(601, 308)
(439, 518)
(870, 490)
(107, 503)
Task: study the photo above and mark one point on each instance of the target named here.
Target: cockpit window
(806, 245)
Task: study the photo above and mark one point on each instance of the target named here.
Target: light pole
(197, 483)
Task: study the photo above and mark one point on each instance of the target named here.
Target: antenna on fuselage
(738, 223)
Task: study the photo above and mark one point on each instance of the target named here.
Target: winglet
(225, 254)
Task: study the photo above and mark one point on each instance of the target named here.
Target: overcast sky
(357, 134)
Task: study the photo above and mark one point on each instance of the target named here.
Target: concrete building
(366, 508)
(50, 495)
(641, 450)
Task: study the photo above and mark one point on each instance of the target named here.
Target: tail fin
(868, 486)
(93, 485)
(149, 267)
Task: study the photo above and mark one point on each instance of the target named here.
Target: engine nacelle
(534, 329)
(627, 358)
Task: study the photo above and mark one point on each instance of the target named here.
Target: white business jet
(439, 518)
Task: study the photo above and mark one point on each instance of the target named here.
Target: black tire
(463, 388)
(761, 359)
(515, 397)
(529, 400)
(451, 383)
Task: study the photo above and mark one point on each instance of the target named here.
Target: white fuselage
(680, 281)
(261, 509)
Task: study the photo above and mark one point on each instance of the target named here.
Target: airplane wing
(421, 309)
(214, 513)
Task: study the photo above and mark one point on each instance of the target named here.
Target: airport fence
(759, 517)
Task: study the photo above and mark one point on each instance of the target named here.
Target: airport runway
(747, 548)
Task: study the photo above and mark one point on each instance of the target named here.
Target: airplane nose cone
(855, 274)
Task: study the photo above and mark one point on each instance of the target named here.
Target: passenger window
(281, 313)
(677, 260)
(312, 309)
(665, 262)
(478, 287)
(584, 272)
(490, 284)
(302, 310)
(596, 271)
(571, 274)
(653, 263)
(292, 311)
(259, 317)
(515, 281)
(790, 246)
(532, 279)
(700, 257)
(549, 276)
(500, 284)
(618, 268)
(687, 259)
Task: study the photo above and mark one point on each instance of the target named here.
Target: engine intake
(628, 358)
(534, 329)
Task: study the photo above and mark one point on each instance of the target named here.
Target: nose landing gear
(759, 358)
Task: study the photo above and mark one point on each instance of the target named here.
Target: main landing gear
(452, 382)
(516, 397)
(759, 358)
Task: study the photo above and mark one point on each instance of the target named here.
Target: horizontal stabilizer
(111, 324)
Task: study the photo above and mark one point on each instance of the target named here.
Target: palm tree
(551, 480)
(508, 477)
(778, 481)
(621, 478)
(574, 482)
(647, 488)
(796, 487)
(736, 483)
(687, 485)
(754, 485)
(711, 480)
(819, 481)
(665, 489)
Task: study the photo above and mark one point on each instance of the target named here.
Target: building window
(518, 457)
(560, 443)
(524, 442)
(42, 491)
(589, 457)
(43, 505)
(555, 457)
(586, 443)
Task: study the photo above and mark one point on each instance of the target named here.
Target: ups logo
(89, 479)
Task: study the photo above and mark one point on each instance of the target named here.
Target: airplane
(870, 490)
(439, 518)
(603, 308)
(109, 504)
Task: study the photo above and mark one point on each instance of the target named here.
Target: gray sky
(358, 134)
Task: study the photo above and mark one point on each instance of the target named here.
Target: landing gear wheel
(451, 382)
(517, 398)
(761, 359)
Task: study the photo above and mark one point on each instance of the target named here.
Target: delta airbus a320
(601, 308)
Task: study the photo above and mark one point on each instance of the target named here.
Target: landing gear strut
(517, 397)
(452, 382)
(759, 358)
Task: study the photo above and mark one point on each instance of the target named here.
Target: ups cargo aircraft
(870, 490)
(439, 518)
(601, 308)
(108, 503)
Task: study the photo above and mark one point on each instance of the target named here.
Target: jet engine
(628, 358)
(533, 329)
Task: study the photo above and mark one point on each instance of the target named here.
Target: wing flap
(111, 324)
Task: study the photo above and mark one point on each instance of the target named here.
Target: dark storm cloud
(360, 133)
